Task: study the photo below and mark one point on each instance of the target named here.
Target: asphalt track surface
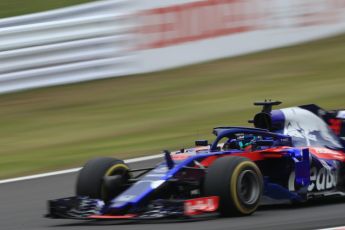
(23, 204)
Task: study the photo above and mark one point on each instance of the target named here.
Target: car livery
(290, 155)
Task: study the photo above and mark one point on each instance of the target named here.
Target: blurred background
(186, 66)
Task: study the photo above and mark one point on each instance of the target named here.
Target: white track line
(335, 228)
(72, 170)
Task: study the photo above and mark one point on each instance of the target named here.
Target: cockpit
(247, 139)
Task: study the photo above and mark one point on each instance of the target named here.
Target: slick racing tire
(238, 183)
(102, 178)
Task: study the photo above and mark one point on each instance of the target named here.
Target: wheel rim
(248, 187)
(115, 170)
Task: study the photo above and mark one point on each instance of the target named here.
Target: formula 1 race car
(292, 155)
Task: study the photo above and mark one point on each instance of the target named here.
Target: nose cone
(140, 190)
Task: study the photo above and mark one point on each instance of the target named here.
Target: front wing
(84, 208)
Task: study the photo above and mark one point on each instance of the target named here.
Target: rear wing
(336, 121)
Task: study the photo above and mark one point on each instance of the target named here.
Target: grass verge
(61, 127)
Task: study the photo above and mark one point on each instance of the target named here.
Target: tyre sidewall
(90, 178)
(221, 180)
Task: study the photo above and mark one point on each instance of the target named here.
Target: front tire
(238, 182)
(90, 181)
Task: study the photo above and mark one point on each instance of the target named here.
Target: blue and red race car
(292, 155)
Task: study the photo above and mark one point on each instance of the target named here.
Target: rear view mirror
(201, 143)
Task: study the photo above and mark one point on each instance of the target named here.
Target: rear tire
(90, 180)
(238, 183)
